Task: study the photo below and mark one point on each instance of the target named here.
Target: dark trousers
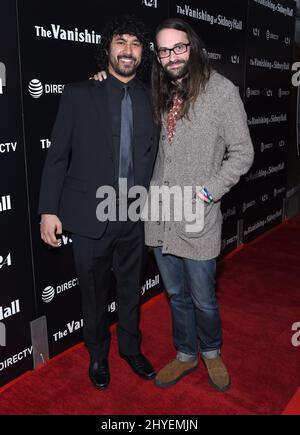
(121, 248)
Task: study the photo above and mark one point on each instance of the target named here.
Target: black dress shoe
(140, 365)
(99, 373)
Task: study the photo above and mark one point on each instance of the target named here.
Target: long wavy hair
(125, 24)
(198, 73)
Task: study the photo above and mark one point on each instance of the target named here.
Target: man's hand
(205, 195)
(50, 226)
(100, 76)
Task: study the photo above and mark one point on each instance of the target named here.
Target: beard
(123, 69)
(176, 73)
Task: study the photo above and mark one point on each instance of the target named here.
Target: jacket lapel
(100, 98)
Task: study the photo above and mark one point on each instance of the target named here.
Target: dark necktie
(126, 140)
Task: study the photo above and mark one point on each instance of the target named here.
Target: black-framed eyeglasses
(178, 49)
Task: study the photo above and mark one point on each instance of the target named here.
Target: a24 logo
(235, 59)
(150, 3)
(5, 261)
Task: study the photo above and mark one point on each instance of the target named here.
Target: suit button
(166, 183)
(163, 137)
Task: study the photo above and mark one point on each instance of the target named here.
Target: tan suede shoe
(218, 375)
(173, 372)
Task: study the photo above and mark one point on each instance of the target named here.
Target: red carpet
(259, 294)
(293, 407)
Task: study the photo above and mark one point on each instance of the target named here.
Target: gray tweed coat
(196, 157)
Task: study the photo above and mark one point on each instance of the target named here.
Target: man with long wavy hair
(201, 114)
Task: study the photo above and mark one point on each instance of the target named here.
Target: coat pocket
(198, 227)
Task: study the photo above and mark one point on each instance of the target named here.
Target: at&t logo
(49, 292)
(35, 88)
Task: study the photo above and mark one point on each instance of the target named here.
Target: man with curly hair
(104, 132)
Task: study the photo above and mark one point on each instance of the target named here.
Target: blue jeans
(190, 285)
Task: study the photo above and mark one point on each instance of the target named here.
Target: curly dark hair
(131, 25)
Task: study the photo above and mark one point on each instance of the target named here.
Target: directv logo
(282, 93)
(270, 35)
(35, 88)
(48, 294)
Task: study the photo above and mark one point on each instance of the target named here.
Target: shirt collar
(113, 81)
